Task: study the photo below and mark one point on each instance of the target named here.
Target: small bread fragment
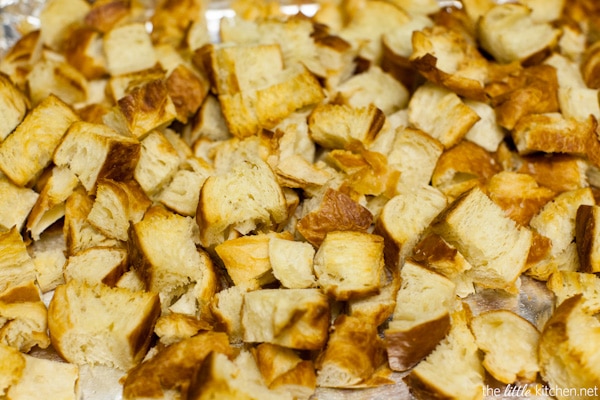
(16, 265)
(172, 368)
(245, 198)
(405, 217)
(79, 314)
(453, 370)
(11, 367)
(128, 48)
(163, 250)
(183, 192)
(110, 211)
(510, 345)
(293, 318)
(48, 379)
(19, 159)
(492, 242)
(502, 31)
(97, 265)
(284, 370)
(338, 126)
(567, 349)
(95, 151)
(350, 265)
(354, 352)
(83, 50)
(486, 132)
(226, 307)
(17, 204)
(23, 318)
(451, 120)
(421, 318)
(50, 205)
(13, 106)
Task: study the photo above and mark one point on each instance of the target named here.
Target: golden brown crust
(187, 90)
(105, 14)
(406, 348)
(525, 91)
(558, 172)
(337, 212)
(586, 237)
(77, 52)
(173, 366)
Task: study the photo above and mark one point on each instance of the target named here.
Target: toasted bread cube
(336, 211)
(163, 250)
(79, 314)
(568, 346)
(567, 284)
(486, 132)
(293, 318)
(350, 265)
(246, 259)
(338, 127)
(13, 106)
(448, 58)
(154, 377)
(519, 195)
(440, 256)
(106, 14)
(11, 367)
(83, 50)
(451, 120)
(453, 370)
(283, 369)
(365, 28)
(49, 379)
(50, 205)
(405, 217)
(21, 161)
(94, 151)
(587, 237)
(421, 318)
(509, 33)
(110, 211)
(16, 265)
(579, 103)
(545, 11)
(558, 172)
(49, 265)
(128, 48)
(208, 123)
(18, 203)
(97, 265)
(183, 192)
(175, 327)
(58, 78)
(119, 86)
(221, 378)
(377, 308)
(188, 90)
(79, 233)
(158, 163)
(291, 90)
(243, 199)
(17, 61)
(415, 155)
(490, 241)
(292, 263)
(23, 318)
(56, 23)
(354, 352)
(462, 167)
(142, 110)
(226, 307)
(510, 345)
(373, 88)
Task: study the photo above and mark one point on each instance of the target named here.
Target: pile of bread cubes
(306, 203)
